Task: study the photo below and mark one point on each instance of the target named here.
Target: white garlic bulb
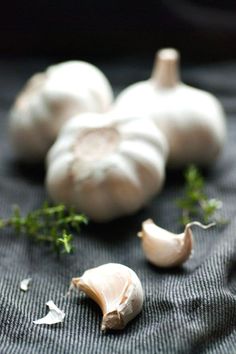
(166, 249)
(116, 289)
(192, 120)
(106, 167)
(51, 98)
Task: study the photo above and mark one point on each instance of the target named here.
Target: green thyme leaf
(49, 224)
(195, 203)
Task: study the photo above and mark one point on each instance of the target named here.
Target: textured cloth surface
(187, 310)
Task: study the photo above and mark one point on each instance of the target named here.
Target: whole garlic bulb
(116, 289)
(192, 120)
(106, 167)
(49, 99)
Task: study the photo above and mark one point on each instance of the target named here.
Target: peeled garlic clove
(166, 249)
(116, 289)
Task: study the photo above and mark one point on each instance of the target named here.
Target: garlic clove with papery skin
(192, 120)
(116, 289)
(166, 249)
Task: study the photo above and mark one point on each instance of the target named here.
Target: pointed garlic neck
(166, 68)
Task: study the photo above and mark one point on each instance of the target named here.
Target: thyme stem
(49, 224)
(195, 203)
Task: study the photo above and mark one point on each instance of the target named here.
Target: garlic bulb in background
(49, 99)
(192, 120)
(106, 167)
(116, 289)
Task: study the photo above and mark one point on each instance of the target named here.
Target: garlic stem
(197, 223)
(166, 68)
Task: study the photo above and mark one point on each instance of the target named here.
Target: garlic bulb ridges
(166, 249)
(192, 120)
(106, 167)
(49, 99)
(116, 289)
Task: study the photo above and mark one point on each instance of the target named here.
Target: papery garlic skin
(49, 99)
(25, 283)
(55, 315)
(192, 120)
(116, 289)
(105, 167)
(163, 248)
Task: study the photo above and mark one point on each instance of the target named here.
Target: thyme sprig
(195, 204)
(49, 224)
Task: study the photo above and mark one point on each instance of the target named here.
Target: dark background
(203, 30)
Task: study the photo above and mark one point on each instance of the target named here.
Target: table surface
(187, 310)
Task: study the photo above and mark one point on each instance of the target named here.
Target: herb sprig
(195, 203)
(50, 224)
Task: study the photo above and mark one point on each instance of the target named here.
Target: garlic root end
(112, 320)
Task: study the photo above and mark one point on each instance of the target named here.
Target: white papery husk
(55, 315)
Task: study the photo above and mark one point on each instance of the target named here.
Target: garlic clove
(166, 249)
(116, 289)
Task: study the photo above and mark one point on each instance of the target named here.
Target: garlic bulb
(105, 167)
(116, 289)
(192, 120)
(166, 249)
(52, 97)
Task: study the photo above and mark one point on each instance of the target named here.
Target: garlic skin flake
(166, 249)
(49, 99)
(105, 167)
(55, 315)
(24, 284)
(192, 120)
(116, 289)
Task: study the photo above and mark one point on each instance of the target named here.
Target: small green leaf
(65, 243)
(50, 224)
(195, 203)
